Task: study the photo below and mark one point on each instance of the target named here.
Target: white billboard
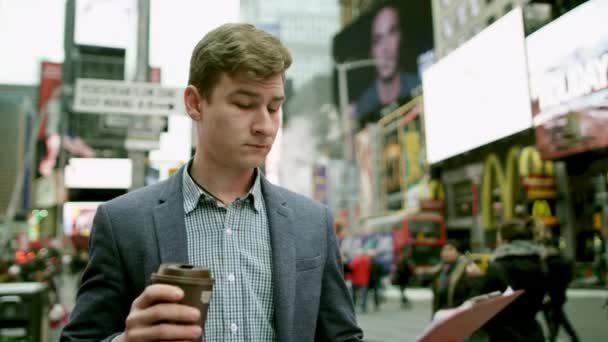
(479, 93)
(98, 173)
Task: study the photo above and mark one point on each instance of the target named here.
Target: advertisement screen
(403, 157)
(479, 93)
(78, 217)
(390, 37)
(98, 173)
(568, 61)
(367, 164)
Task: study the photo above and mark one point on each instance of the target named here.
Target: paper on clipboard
(457, 324)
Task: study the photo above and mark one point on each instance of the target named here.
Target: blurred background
(414, 121)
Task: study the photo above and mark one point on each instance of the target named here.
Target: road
(392, 323)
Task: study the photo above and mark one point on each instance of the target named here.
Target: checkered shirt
(234, 243)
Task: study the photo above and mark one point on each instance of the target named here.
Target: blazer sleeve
(102, 304)
(336, 320)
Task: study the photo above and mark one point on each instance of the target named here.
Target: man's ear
(192, 100)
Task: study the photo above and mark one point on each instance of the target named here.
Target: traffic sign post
(122, 97)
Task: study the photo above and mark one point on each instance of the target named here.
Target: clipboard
(464, 320)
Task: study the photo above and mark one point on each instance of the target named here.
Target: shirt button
(231, 277)
(229, 231)
(234, 327)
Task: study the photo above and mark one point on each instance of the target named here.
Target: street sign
(121, 97)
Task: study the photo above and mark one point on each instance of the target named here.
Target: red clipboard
(467, 319)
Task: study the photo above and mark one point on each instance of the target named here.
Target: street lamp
(351, 170)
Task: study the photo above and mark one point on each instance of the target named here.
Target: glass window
(491, 20)
(474, 6)
(462, 15)
(423, 230)
(448, 30)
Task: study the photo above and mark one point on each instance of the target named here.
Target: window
(462, 15)
(448, 29)
(491, 20)
(422, 230)
(474, 6)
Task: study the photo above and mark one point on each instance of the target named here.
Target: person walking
(516, 263)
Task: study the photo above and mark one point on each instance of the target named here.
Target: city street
(391, 323)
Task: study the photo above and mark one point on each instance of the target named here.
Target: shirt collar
(193, 192)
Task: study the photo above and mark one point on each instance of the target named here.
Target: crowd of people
(525, 258)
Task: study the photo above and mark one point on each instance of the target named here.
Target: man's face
(240, 120)
(449, 254)
(386, 39)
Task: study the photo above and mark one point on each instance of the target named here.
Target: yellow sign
(521, 162)
(493, 173)
(541, 208)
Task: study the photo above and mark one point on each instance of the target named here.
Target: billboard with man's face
(393, 34)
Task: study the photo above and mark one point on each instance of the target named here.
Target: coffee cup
(196, 282)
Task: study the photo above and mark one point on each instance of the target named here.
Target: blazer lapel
(169, 222)
(280, 221)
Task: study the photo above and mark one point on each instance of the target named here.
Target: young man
(391, 83)
(273, 253)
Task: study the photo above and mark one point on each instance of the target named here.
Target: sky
(31, 31)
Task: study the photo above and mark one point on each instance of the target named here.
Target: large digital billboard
(479, 93)
(568, 61)
(391, 37)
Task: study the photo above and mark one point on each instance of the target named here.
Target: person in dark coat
(516, 263)
(403, 273)
(455, 278)
(375, 280)
(560, 273)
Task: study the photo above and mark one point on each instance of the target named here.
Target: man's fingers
(165, 332)
(157, 293)
(163, 312)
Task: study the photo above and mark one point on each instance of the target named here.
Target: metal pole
(138, 157)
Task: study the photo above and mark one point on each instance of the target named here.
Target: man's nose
(264, 123)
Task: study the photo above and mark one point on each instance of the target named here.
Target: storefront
(569, 86)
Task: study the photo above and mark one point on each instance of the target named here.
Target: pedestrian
(516, 263)
(455, 278)
(273, 253)
(560, 273)
(376, 274)
(360, 267)
(404, 270)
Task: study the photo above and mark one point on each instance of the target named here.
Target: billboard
(403, 162)
(367, 164)
(392, 35)
(568, 62)
(78, 217)
(478, 93)
(49, 107)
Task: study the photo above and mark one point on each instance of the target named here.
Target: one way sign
(121, 97)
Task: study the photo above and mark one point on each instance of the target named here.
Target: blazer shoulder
(147, 195)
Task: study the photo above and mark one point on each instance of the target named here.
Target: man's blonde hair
(233, 48)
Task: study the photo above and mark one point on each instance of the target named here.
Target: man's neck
(389, 89)
(224, 183)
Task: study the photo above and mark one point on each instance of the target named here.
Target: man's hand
(156, 316)
(473, 270)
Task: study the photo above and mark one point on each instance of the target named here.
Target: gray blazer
(133, 234)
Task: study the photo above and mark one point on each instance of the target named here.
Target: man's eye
(243, 105)
(273, 110)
